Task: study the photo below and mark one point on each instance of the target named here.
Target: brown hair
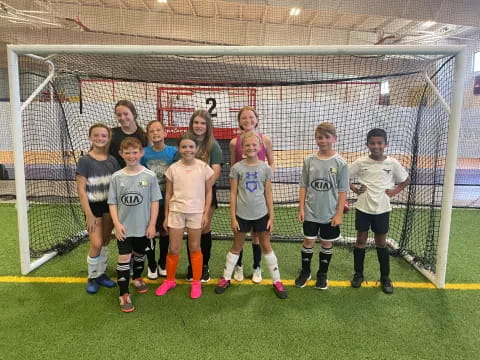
(245, 108)
(153, 122)
(187, 136)
(326, 128)
(128, 104)
(205, 148)
(130, 142)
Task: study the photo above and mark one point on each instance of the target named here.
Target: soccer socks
(206, 246)
(197, 265)
(307, 254)
(163, 244)
(123, 276)
(257, 255)
(93, 265)
(102, 265)
(172, 263)
(272, 264)
(231, 261)
(138, 264)
(150, 252)
(240, 258)
(384, 260)
(325, 258)
(358, 259)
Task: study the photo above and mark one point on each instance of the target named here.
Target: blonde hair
(326, 128)
(250, 134)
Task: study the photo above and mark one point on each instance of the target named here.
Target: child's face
(131, 155)
(199, 126)
(99, 137)
(251, 146)
(325, 141)
(248, 120)
(376, 145)
(156, 132)
(124, 116)
(187, 149)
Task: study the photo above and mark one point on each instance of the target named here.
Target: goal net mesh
(292, 95)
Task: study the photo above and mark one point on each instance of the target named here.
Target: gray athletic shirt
(323, 180)
(133, 195)
(251, 203)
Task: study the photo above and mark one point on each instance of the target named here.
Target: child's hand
(91, 222)
(235, 226)
(151, 231)
(270, 225)
(204, 221)
(361, 189)
(337, 220)
(301, 215)
(120, 232)
(391, 192)
(165, 225)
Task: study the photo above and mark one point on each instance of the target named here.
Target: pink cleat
(165, 287)
(196, 290)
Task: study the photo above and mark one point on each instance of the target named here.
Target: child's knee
(124, 258)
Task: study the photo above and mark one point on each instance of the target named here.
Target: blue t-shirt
(158, 162)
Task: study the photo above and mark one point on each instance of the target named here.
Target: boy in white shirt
(377, 175)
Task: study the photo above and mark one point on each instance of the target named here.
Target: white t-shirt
(188, 186)
(377, 176)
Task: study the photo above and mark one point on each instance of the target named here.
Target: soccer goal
(413, 92)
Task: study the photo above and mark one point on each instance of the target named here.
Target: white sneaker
(152, 275)
(257, 275)
(162, 272)
(238, 273)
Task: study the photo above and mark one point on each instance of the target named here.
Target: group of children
(131, 181)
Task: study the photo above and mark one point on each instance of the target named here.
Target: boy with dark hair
(323, 192)
(377, 175)
(133, 201)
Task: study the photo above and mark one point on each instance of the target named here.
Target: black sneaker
(189, 273)
(387, 286)
(302, 279)
(357, 280)
(223, 285)
(205, 274)
(322, 282)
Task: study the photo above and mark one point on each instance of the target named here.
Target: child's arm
(269, 150)
(91, 220)
(269, 199)
(338, 217)
(168, 196)
(119, 228)
(208, 200)
(233, 146)
(153, 220)
(301, 204)
(217, 169)
(233, 204)
(399, 187)
(358, 189)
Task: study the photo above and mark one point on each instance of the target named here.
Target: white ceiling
(237, 22)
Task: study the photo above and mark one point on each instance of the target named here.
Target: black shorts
(258, 225)
(327, 232)
(160, 218)
(214, 197)
(379, 223)
(99, 208)
(132, 244)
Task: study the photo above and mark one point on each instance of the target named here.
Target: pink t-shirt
(262, 154)
(188, 186)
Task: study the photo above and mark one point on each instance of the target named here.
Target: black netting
(291, 95)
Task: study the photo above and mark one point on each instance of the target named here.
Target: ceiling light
(294, 11)
(162, 1)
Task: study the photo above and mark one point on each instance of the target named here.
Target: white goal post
(46, 51)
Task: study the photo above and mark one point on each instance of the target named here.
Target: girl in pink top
(187, 203)
(248, 121)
